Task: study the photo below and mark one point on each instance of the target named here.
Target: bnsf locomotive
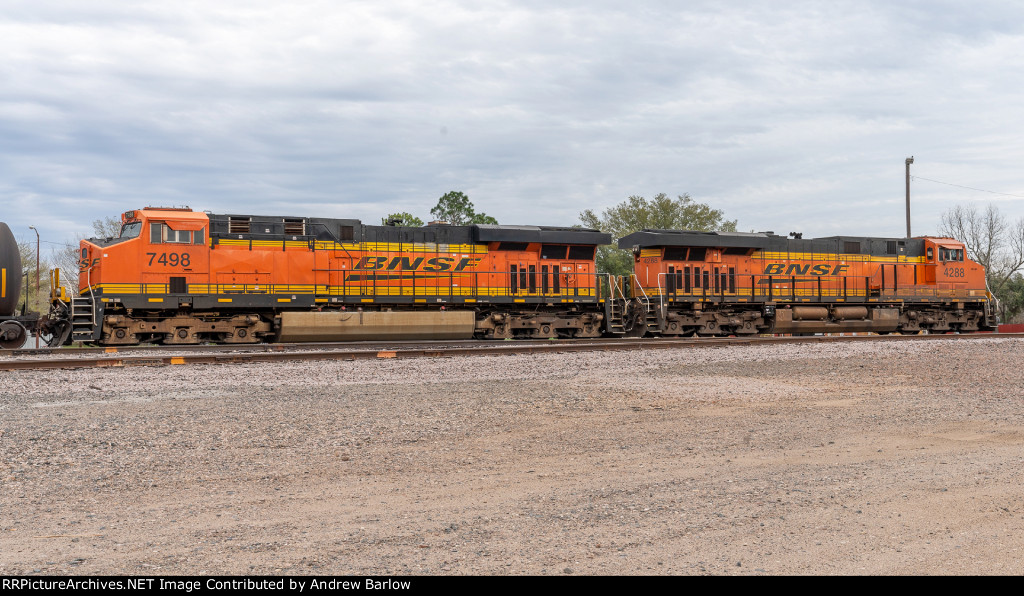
(176, 276)
(719, 283)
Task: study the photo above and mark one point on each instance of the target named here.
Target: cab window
(131, 230)
(951, 254)
(163, 233)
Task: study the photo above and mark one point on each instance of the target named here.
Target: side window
(160, 233)
(199, 236)
(177, 236)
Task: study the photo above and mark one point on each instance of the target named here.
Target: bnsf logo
(794, 269)
(407, 264)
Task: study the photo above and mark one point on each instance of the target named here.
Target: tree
(66, 257)
(408, 220)
(1011, 303)
(660, 213)
(455, 208)
(108, 227)
(994, 243)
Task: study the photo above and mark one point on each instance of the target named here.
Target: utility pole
(909, 161)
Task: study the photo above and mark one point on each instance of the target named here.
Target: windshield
(131, 230)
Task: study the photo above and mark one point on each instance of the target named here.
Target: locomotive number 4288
(954, 272)
(171, 259)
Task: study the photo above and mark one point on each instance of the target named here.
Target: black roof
(545, 234)
(773, 242)
(353, 230)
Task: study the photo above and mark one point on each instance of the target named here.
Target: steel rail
(268, 347)
(482, 349)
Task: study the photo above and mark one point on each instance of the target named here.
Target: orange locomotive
(718, 283)
(177, 276)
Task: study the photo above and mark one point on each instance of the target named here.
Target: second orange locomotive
(721, 283)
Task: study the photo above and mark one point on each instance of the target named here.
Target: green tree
(660, 213)
(455, 208)
(1011, 303)
(408, 220)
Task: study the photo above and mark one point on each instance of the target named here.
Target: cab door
(931, 262)
(175, 257)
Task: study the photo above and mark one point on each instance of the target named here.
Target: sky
(788, 116)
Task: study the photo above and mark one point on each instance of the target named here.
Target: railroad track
(68, 358)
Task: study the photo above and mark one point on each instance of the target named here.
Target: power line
(1005, 194)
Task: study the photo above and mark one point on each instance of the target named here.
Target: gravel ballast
(862, 458)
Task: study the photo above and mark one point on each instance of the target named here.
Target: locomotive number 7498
(169, 258)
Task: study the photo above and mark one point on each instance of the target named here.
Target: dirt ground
(880, 458)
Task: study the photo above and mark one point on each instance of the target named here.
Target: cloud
(785, 116)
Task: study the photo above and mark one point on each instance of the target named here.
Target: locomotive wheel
(12, 335)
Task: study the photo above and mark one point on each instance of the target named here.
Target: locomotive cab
(947, 266)
(159, 251)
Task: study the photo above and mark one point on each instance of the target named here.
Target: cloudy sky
(789, 116)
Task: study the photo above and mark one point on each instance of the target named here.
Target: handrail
(646, 299)
(819, 288)
(92, 295)
(612, 286)
(661, 293)
(470, 284)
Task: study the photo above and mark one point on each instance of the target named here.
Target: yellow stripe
(431, 247)
(813, 256)
(177, 360)
(472, 293)
(284, 299)
(3, 283)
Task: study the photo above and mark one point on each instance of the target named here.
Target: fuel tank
(358, 325)
(10, 272)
